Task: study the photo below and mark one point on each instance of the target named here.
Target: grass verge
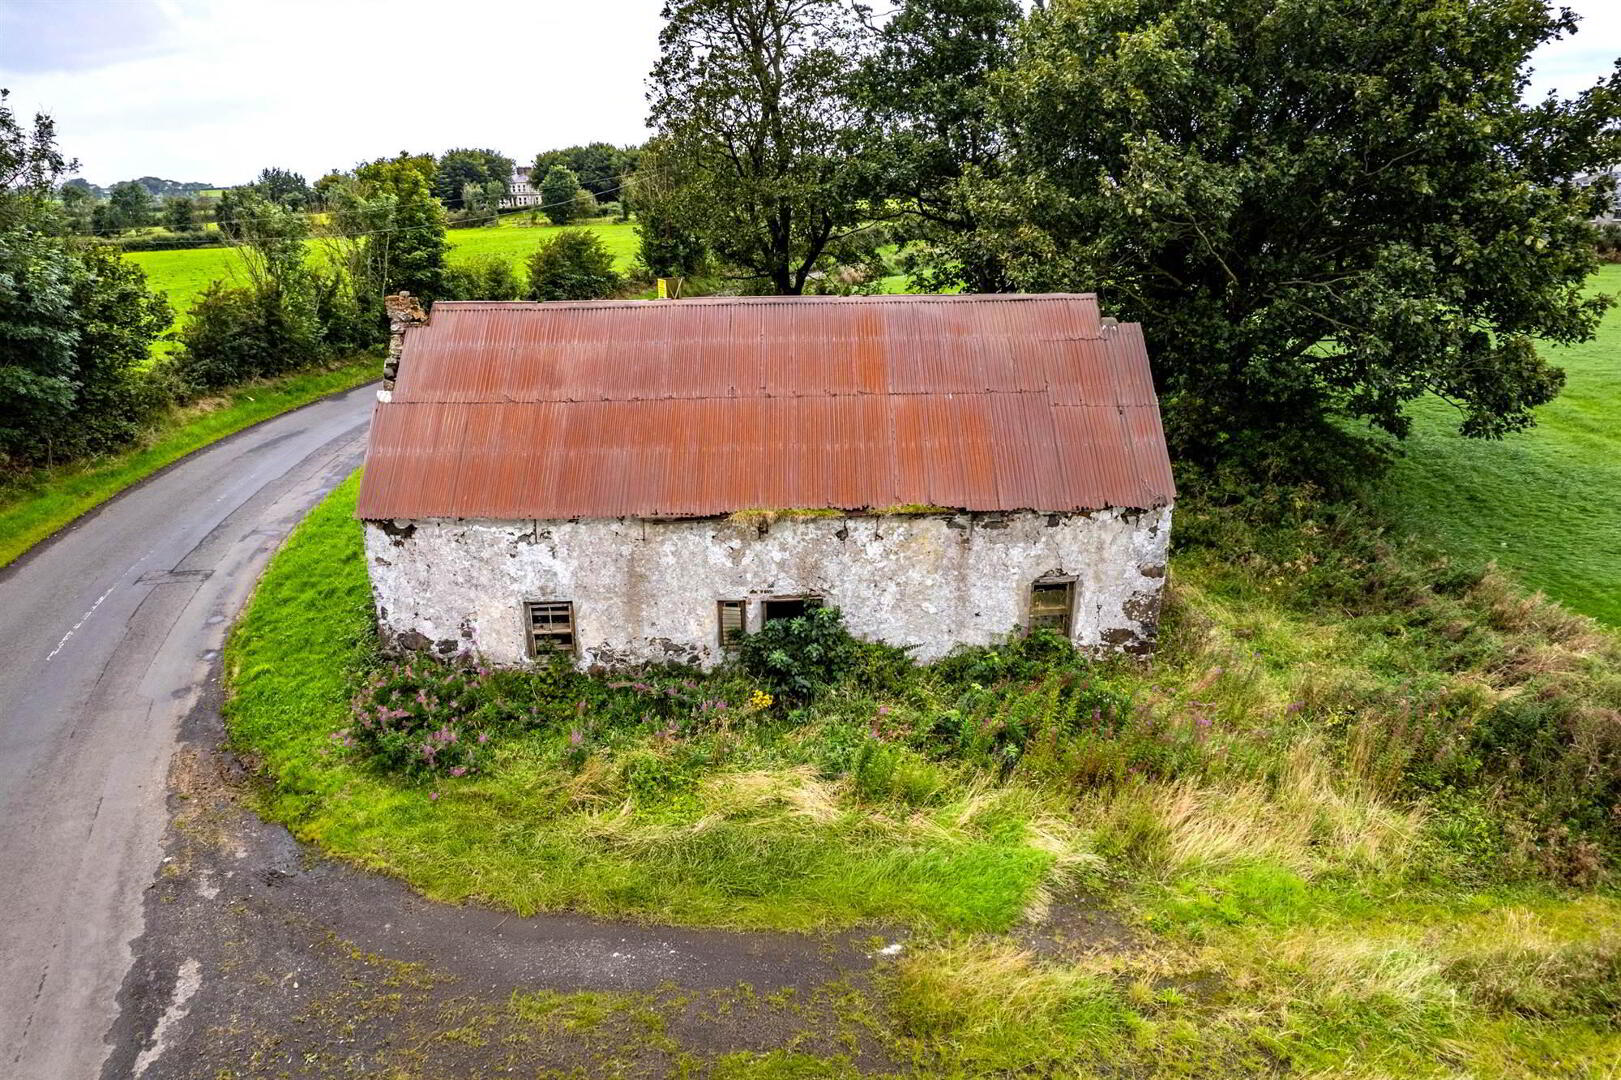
(35, 504)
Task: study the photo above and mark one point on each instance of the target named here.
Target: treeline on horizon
(151, 213)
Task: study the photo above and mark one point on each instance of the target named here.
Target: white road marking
(78, 624)
(187, 980)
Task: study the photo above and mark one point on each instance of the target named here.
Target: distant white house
(520, 192)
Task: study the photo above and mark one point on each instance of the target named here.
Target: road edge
(90, 513)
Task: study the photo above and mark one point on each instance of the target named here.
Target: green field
(183, 274)
(1546, 503)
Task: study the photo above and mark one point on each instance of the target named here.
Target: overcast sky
(214, 90)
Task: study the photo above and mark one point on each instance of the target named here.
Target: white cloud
(220, 88)
(1574, 64)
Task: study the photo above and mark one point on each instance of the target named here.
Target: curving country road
(108, 632)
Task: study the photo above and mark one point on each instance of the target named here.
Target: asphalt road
(108, 632)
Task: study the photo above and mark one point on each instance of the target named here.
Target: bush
(572, 265)
(234, 334)
(484, 277)
(424, 719)
(76, 323)
(799, 658)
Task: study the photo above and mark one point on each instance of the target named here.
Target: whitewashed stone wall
(646, 590)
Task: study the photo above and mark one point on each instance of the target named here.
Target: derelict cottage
(630, 481)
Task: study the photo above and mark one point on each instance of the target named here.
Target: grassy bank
(35, 504)
(1546, 503)
(1356, 820)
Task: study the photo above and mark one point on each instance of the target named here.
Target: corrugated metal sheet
(700, 407)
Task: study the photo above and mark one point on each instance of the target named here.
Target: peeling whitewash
(646, 590)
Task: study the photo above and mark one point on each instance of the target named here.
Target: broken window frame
(731, 637)
(1064, 617)
(810, 602)
(534, 635)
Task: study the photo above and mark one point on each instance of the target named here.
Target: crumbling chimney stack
(403, 313)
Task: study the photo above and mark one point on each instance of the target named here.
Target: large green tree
(1317, 208)
(76, 320)
(390, 209)
(284, 187)
(600, 167)
(927, 89)
(558, 190)
(129, 206)
(761, 129)
(667, 229)
(460, 168)
(179, 213)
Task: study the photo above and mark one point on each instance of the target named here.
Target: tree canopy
(558, 190)
(757, 111)
(1317, 208)
(599, 167)
(927, 90)
(284, 187)
(76, 320)
(459, 169)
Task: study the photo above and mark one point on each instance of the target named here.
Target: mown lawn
(1546, 503)
(37, 503)
(183, 274)
(1315, 842)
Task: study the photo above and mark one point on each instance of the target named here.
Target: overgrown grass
(37, 503)
(1543, 503)
(1357, 820)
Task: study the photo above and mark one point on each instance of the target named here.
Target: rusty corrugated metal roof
(700, 407)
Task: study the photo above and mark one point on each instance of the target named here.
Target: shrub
(571, 265)
(484, 277)
(235, 334)
(799, 658)
(423, 718)
(76, 321)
